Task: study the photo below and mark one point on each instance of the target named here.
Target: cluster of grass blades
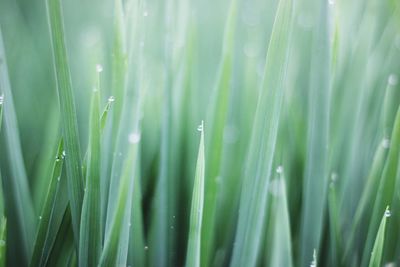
(104, 161)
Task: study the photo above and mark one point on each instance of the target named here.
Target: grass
(169, 133)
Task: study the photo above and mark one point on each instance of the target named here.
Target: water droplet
(386, 143)
(331, 2)
(64, 154)
(1, 99)
(146, 247)
(129, 224)
(99, 68)
(393, 79)
(58, 178)
(134, 138)
(334, 176)
(2, 243)
(279, 169)
(111, 99)
(388, 213)
(145, 14)
(200, 127)
(314, 261)
(40, 217)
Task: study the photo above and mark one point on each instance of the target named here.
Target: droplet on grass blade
(146, 247)
(145, 14)
(331, 2)
(200, 127)
(40, 217)
(334, 176)
(314, 261)
(134, 138)
(99, 68)
(279, 169)
(111, 99)
(386, 143)
(388, 213)
(1, 99)
(393, 79)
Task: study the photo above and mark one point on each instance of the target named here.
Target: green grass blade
(136, 256)
(68, 113)
(91, 229)
(64, 242)
(110, 254)
(386, 188)
(377, 251)
(216, 121)
(196, 213)
(316, 169)
(261, 154)
(3, 241)
(51, 214)
(21, 216)
(281, 254)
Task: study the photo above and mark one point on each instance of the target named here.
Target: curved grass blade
(110, 254)
(64, 242)
(253, 200)
(3, 243)
(90, 228)
(21, 213)
(386, 188)
(217, 121)
(281, 254)
(196, 214)
(68, 113)
(51, 215)
(316, 169)
(376, 256)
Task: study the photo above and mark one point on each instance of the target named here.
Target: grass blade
(52, 213)
(68, 113)
(316, 169)
(377, 251)
(91, 229)
(261, 154)
(281, 254)
(217, 121)
(20, 209)
(196, 214)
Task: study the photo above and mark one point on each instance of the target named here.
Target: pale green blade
(52, 212)
(316, 167)
(377, 251)
(91, 230)
(196, 215)
(68, 113)
(281, 247)
(21, 218)
(261, 152)
(216, 120)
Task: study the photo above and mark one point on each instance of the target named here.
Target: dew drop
(99, 68)
(388, 213)
(64, 154)
(134, 138)
(1, 99)
(200, 127)
(279, 169)
(331, 2)
(129, 224)
(40, 217)
(145, 14)
(58, 178)
(146, 247)
(386, 143)
(334, 176)
(111, 99)
(393, 79)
